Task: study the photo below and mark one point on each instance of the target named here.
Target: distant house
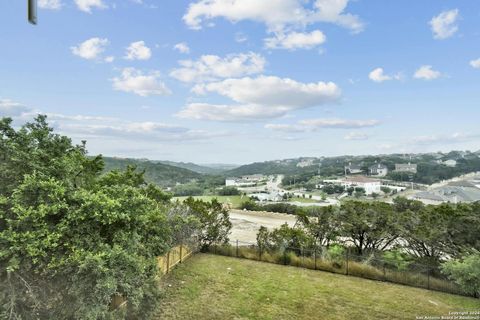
(378, 169)
(406, 167)
(370, 185)
(274, 196)
(238, 182)
(454, 192)
(254, 177)
(244, 181)
(353, 169)
(450, 163)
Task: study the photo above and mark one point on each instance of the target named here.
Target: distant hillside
(193, 167)
(431, 166)
(159, 173)
(288, 166)
(221, 166)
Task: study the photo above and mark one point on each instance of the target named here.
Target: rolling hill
(159, 173)
(192, 167)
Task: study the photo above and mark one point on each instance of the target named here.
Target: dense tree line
(445, 238)
(72, 238)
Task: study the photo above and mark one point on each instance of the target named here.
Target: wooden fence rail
(175, 256)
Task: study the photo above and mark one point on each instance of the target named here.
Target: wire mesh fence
(365, 266)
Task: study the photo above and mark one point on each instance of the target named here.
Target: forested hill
(159, 173)
(432, 167)
(192, 167)
(288, 166)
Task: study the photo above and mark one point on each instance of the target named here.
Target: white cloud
(356, 136)
(277, 15)
(109, 59)
(444, 25)
(295, 40)
(426, 72)
(273, 91)
(240, 37)
(211, 67)
(87, 5)
(260, 98)
(457, 137)
(138, 51)
(475, 63)
(182, 47)
(134, 81)
(90, 49)
(338, 123)
(9, 108)
(378, 75)
(233, 113)
(50, 4)
(310, 125)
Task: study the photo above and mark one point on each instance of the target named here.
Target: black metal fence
(367, 266)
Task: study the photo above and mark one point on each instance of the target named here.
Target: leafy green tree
(293, 239)
(229, 191)
(214, 221)
(425, 233)
(321, 223)
(71, 240)
(465, 272)
(386, 190)
(369, 226)
(263, 238)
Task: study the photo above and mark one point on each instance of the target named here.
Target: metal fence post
(384, 272)
(428, 279)
(346, 257)
(315, 257)
(285, 256)
(237, 249)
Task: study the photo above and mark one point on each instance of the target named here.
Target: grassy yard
(303, 200)
(235, 201)
(217, 287)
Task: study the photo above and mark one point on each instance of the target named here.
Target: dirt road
(247, 223)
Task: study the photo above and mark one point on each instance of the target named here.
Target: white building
(378, 169)
(450, 163)
(236, 182)
(406, 167)
(244, 181)
(370, 185)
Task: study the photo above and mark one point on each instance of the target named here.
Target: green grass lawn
(216, 287)
(235, 201)
(302, 200)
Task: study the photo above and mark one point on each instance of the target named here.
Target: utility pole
(32, 11)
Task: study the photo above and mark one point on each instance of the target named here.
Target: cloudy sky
(237, 81)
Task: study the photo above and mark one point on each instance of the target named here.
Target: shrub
(466, 273)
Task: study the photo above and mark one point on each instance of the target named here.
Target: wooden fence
(175, 256)
(165, 263)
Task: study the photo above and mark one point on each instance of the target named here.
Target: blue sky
(217, 81)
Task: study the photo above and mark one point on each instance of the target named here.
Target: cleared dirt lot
(247, 223)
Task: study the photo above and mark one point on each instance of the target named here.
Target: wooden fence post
(315, 257)
(237, 249)
(181, 247)
(168, 261)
